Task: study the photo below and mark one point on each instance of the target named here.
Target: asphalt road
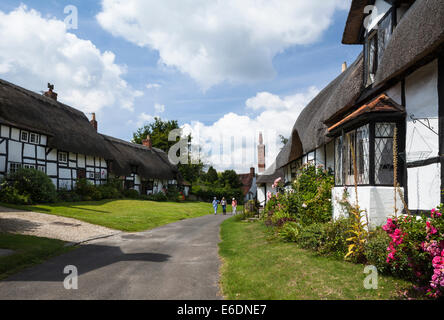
(176, 261)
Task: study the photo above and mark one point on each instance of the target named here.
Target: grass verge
(125, 215)
(255, 266)
(29, 251)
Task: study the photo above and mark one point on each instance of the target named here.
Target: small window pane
(384, 35)
(384, 129)
(24, 136)
(362, 154)
(338, 161)
(384, 161)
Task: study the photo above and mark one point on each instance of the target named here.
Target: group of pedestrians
(223, 203)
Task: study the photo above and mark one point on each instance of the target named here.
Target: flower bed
(416, 250)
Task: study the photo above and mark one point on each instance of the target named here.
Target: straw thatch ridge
(419, 33)
(68, 129)
(309, 131)
(150, 163)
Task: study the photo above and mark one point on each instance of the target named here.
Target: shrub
(416, 250)
(9, 194)
(334, 238)
(376, 250)
(132, 194)
(109, 191)
(310, 237)
(290, 231)
(84, 188)
(308, 201)
(172, 193)
(68, 196)
(33, 183)
(160, 196)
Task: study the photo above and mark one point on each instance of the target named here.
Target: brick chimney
(93, 121)
(50, 93)
(261, 154)
(147, 142)
(252, 172)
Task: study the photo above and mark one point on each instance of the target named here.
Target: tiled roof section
(381, 104)
(246, 180)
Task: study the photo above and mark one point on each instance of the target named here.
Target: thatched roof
(354, 26)
(270, 175)
(68, 129)
(151, 163)
(419, 33)
(309, 131)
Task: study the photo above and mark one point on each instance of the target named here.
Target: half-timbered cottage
(37, 131)
(393, 92)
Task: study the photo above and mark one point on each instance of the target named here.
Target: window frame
(37, 138)
(60, 154)
(375, 34)
(371, 152)
(22, 132)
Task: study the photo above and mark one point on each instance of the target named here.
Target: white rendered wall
(424, 187)
(261, 196)
(424, 183)
(421, 90)
(377, 201)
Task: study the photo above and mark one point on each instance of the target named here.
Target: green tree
(158, 132)
(283, 139)
(211, 175)
(229, 178)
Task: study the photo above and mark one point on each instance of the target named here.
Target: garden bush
(308, 200)
(416, 250)
(9, 194)
(132, 194)
(160, 196)
(64, 195)
(376, 250)
(33, 184)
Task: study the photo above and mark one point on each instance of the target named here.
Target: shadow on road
(15, 225)
(87, 258)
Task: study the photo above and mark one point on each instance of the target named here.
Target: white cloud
(238, 134)
(216, 41)
(35, 50)
(153, 86)
(159, 108)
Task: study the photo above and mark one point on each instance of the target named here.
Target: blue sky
(298, 66)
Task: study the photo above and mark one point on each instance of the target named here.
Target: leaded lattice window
(384, 153)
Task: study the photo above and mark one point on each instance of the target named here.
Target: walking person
(224, 205)
(234, 205)
(215, 204)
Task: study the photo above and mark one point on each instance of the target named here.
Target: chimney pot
(147, 142)
(252, 172)
(50, 93)
(93, 121)
(344, 66)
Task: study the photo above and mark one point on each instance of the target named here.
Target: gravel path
(50, 226)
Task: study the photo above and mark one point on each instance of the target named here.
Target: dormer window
(371, 57)
(376, 41)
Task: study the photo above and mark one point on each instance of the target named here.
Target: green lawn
(29, 250)
(126, 215)
(255, 266)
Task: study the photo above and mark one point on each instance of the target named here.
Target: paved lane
(176, 261)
